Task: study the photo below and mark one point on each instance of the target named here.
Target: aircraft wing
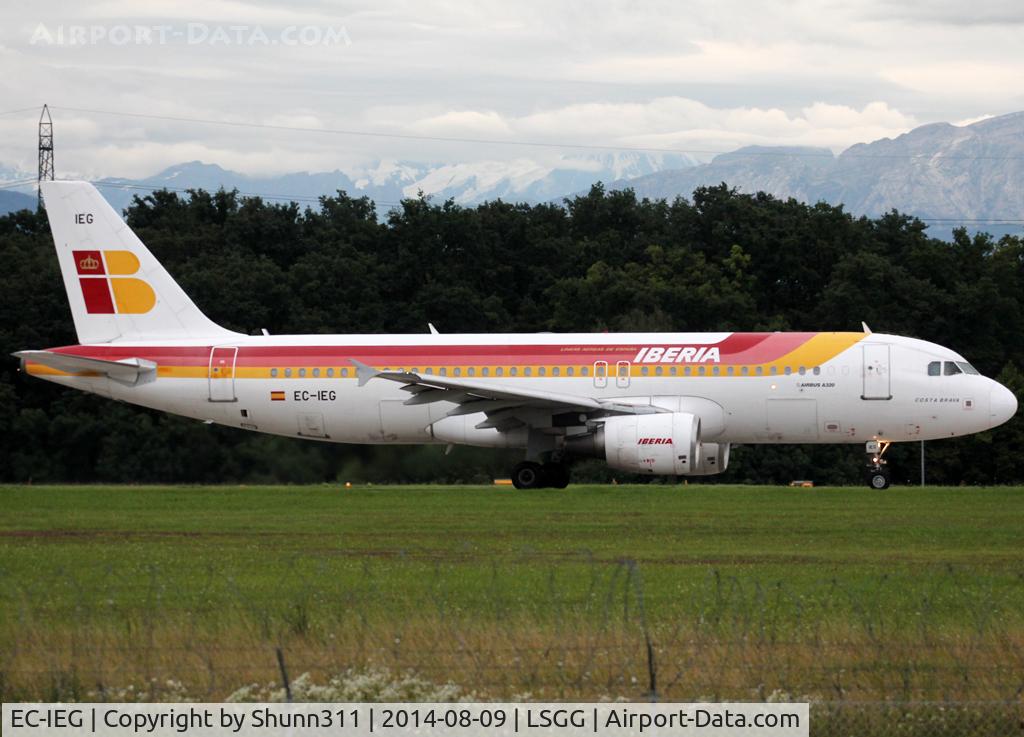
(127, 370)
(506, 408)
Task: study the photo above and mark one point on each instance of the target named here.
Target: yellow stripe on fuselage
(816, 351)
(820, 349)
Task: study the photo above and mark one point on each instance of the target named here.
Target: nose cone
(1003, 404)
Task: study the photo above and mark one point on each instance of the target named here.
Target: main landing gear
(877, 473)
(531, 475)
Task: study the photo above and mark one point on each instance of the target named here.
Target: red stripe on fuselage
(738, 348)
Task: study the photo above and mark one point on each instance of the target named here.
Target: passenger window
(471, 371)
(645, 370)
(273, 373)
(541, 371)
(457, 371)
(659, 371)
(555, 371)
(499, 371)
(527, 371)
(330, 373)
(583, 371)
(935, 368)
(949, 368)
(344, 372)
(788, 371)
(569, 371)
(287, 372)
(302, 372)
(485, 371)
(316, 373)
(512, 371)
(817, 370)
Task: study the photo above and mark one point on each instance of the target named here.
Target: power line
(531, 144)
(17, 183)
(20, 110)
(263, 195)
(391, 203)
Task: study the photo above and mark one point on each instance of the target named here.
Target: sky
(698, 77)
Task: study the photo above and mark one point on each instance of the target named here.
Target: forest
(602, 261)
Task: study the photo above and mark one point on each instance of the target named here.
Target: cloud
(972, 80)
(677, 122)
(463, 122)
(709, 61)
(713, 74)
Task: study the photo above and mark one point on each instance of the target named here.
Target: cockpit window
(967, 368)
(935, 368)
(950, 368)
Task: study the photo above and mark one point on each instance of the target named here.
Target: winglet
(866, 328)
(363, 372)
(433, 330)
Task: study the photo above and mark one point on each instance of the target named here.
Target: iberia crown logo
(88, 264)
(108, 288)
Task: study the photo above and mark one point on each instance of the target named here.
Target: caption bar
(405, 720)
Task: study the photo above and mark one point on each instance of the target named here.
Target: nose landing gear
(878, 476)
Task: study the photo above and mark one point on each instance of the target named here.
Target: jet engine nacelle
(659, 444)
(714, 458)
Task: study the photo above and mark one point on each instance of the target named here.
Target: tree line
(603, 261)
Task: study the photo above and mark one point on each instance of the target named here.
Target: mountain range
(387, 182)
(946, 174)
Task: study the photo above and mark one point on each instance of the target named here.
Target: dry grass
(513, 660)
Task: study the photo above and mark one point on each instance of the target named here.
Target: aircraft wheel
(527, 475)
(878, 479)
(556, 474)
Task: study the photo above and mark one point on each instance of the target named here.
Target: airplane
(646, 403)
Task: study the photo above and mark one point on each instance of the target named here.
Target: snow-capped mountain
(947, 174)
(389, 181)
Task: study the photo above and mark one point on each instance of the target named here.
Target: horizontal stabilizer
(127, 370)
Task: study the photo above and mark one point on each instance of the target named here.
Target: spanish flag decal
(276, 396)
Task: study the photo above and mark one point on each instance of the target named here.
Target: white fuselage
(817, 388)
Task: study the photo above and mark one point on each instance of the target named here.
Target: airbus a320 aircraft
(648, 403)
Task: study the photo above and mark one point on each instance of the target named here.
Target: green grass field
(742, 591)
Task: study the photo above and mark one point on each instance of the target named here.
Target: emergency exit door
(622, 374)
(221, 373)
(877, 376)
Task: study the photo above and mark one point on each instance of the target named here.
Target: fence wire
(950, 662)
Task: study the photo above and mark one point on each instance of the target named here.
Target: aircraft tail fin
(116, 287)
